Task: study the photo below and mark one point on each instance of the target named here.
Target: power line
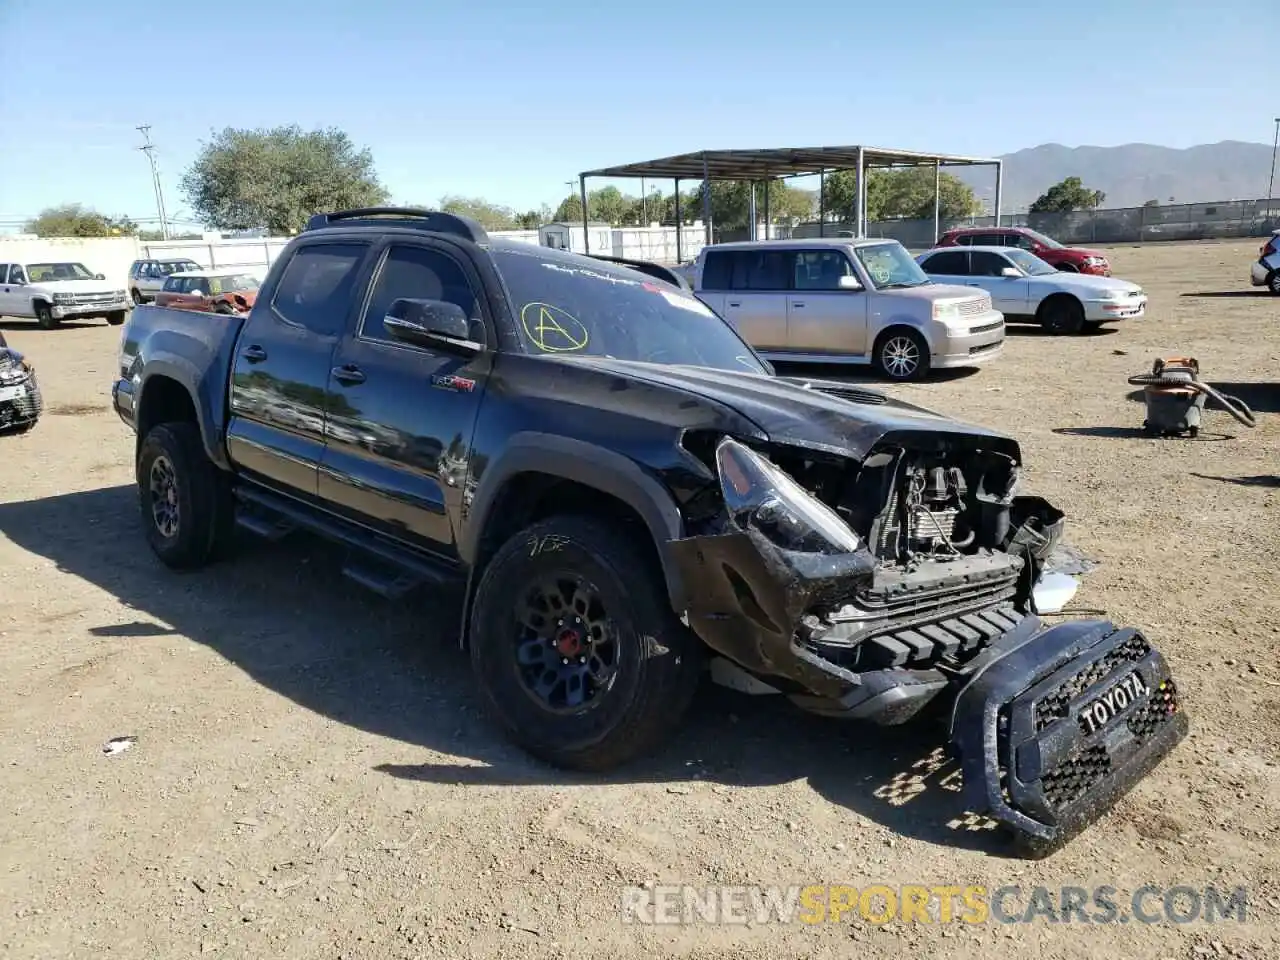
(149, 149)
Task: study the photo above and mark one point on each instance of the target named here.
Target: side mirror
(431, 323)
(849, 283)
(1010, 272)
(99, 276)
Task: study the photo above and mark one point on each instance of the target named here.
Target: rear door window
(950, 263)
(315, 291)
(763, 270)
(717, 270)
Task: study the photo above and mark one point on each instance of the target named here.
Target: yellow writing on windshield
(552, 329)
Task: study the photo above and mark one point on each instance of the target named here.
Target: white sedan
(1025, 288)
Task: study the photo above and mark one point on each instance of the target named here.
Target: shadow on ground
(1035, 330)
(284, 615)
(1262, 480)
(6, 324)
(1135, 433)
(1227, 294)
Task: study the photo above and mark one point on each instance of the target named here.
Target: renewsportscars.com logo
(913, 903)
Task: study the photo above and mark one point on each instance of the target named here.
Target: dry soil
(312, 778)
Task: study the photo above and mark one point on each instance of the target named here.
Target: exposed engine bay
(948, 576)
(870, 590)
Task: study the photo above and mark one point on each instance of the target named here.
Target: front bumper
(968, 346)
(1126, 308)
(1030, 755)
(95, 308)
(20, 404)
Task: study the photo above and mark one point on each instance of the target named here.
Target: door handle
(254, 354)
(795, 303)
(735, 303)
(348, 373)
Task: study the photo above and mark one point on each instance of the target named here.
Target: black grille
(987, 326)
(1053, 706)
(985, 347)
(1076, 775)
(927, 643)
(1162, 705)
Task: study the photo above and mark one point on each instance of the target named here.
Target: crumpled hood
(827, 415)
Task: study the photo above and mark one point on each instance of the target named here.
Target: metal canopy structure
(757, 166)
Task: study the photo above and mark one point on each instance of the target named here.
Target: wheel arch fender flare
(186, 375)
(591, 465)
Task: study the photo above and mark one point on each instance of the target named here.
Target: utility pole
(150, 150)
(1271, 183)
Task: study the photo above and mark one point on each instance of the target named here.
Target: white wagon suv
(846, 300)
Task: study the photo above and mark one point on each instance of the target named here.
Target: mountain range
(1132, 174)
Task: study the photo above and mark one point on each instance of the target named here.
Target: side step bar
(388, 569)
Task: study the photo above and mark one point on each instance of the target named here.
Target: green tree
(490, 215)
(731, 203)
(1071, 194)
(76, 220)
(901, 195)
(569, 210)
(277, 178)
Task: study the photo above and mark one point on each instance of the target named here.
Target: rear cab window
(316, 290)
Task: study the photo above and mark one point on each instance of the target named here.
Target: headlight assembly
(759, 495)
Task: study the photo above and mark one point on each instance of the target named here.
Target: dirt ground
(312, 777)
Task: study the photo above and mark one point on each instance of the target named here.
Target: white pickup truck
(50, 292)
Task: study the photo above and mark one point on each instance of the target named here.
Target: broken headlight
(759, 495)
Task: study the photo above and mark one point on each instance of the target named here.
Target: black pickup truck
(625, 491)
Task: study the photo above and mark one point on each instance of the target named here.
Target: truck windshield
(46, 272)
(890, 266)
(568, 305)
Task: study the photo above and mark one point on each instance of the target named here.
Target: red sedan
(1067, 259)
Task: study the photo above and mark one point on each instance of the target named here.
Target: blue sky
(510, 100)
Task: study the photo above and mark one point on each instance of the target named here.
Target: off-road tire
(116, 317)
(205, 508)
(1061, 316)
(885, 348)
(659, 660)
(45, 318)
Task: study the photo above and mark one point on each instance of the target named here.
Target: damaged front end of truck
(874, 587)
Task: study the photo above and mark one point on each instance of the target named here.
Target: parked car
(50, 292)
(620, 487)
(1064, 258)
(210, 291)
(20, 401)
(1026, 289)
(1266, 271)
(147, 277)
(841, 300)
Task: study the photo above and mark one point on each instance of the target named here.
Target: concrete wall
(110, 256)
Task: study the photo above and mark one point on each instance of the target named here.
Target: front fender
(589, 464)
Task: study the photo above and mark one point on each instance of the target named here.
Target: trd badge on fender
(1097, 713)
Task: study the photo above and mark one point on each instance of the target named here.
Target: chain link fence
(1223, 220)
